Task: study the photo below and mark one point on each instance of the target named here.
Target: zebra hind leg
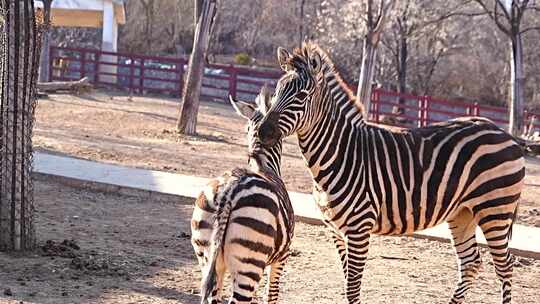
(276, 270)
(463, 228)
(497, 229)
(245, 285)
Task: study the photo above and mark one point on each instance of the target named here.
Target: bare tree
(46, 38)
(205, 14)
(149, 13)
(374, 25)
(508, 16)
(301, 34)
(20, 50)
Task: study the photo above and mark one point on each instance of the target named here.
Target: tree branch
(534, 28)
(505, 30)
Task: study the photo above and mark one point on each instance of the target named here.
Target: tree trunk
(402, 70)
(44, 61)
(187, 122)
(301, 22)
(517, 83)
(20, 60)
(365, 82)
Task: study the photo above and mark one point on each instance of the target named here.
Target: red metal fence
(151, 74)
(423, 110)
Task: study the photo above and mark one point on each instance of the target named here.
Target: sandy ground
(139, 132)
(136, 250)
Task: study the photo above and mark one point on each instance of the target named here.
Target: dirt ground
(139, 132)
(129, 249)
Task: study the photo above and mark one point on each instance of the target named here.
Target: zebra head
(293, 101)
(260, 158)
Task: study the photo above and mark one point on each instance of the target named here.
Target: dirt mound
(65, 249)
(102, 265)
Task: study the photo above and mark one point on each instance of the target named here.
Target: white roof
(87, 13)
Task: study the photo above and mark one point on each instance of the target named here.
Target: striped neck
(266, 160)
(335, 128)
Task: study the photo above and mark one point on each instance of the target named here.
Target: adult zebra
(370, 179)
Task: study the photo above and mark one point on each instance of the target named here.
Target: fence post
(525, 120)
(427, 107)
(232, 81)
(141, 77)
(476, 109)
(83, 63)
(51, 62)
(131, 74)
(375, 105)
(181, 77)
(420, 115)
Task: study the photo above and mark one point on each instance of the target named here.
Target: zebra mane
(300, 61)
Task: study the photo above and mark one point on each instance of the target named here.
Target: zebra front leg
(276, 270)
(357, 250)
(342, 251)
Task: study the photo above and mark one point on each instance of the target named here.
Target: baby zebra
(243, 220)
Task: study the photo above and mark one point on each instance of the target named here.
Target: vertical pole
(51, 62)
(141, 77)
(427, 108)
(420, 115)
(232, 81)
(131, 74)
(181, 77)
(97, 65)
(83, 64)
(375, 97)
(476, 109)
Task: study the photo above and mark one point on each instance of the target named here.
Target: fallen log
(77, 87)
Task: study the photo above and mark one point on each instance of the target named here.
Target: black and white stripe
(372, 179)
(243, 222)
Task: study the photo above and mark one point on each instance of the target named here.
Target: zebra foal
(243, 221)
(389, 181)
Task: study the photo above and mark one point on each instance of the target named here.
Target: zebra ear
(243, 109)
(283, 58)
(263, 100)
(315, 62)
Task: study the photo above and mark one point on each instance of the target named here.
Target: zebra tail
(514, 217)
(209, 280)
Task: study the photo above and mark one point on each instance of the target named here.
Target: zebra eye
(301, 95)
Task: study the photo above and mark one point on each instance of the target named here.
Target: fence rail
(165, 75)
(141, 74)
